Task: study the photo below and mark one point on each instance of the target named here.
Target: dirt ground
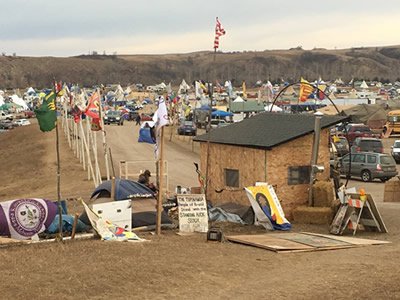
(170, 265)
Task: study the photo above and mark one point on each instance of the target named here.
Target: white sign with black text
(193, 216)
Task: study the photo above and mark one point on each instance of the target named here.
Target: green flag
(46, 113)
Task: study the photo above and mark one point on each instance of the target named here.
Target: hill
(374, 63)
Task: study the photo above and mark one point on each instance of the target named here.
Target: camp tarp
(371, 114)
(221, 114)
(124, 189)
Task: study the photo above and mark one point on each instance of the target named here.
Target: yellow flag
(244, 89)
(305, 90)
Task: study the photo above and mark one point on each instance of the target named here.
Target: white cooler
(117, 212)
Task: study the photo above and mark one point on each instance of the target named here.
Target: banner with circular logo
(23, 218)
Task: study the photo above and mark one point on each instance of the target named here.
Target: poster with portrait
(267, 207)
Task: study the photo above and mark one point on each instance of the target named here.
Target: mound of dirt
(29, 168)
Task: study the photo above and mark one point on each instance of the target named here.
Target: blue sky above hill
(66, 28)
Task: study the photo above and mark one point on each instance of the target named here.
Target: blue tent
(221, 114)
(145, 136)
(124, 189)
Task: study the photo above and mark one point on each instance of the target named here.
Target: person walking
(137, 119)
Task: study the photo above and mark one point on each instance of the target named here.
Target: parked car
(187, 128)
(357, 130)
(217, 123)
(29, 114)
(341, 145)
(22, 122)
(4, 115)
(6, 125)
(395, 151)
(368, 166)
(362, 144)
(114, 117)
(145, 117)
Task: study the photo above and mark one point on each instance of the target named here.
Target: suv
(362, 144)
(357, 130)
(396, 150)
(113, 117)
(368, 166)
(187, 128)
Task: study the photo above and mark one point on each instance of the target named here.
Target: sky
(75, 27)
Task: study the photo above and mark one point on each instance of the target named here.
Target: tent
(238, 99)
(124, 189)
(19, 101)
(143, 204)
(364, 85)
(274, 108)
(221, 114)
(146, 135)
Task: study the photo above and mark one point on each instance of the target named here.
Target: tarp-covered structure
(372, 115)
(124, 189)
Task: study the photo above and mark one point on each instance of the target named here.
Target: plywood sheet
(313, 241)
(351, 240)
(269, 242)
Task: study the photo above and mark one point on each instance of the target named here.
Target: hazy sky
(73, 27)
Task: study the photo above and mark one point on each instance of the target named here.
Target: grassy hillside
(381, 63)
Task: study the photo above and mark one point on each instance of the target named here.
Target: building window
(299, 175)
(231, 177)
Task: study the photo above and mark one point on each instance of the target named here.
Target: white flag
(160, 119)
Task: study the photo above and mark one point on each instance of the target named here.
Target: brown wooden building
(269, 147)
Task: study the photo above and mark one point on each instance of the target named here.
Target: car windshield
(114, 113)
(396, 144)
(362, 129)
(371, 143)
(387, 160)
(187, 123)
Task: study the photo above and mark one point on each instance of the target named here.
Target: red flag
(92, 110)
(218, 32)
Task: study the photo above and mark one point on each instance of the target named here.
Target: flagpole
(103, 131)
(161, 182)
(60, 231)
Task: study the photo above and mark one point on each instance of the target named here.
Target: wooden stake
(161, 182)
(74, 226)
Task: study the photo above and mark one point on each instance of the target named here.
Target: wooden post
(74, 226)
(113, 188)
(161, 182)
(96, 161)
(87, 138)
(87, 152)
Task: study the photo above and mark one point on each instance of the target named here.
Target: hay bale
(323, 194)
(312, 215)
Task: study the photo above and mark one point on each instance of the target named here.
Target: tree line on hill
(377, 63)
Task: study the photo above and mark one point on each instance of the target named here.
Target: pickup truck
(6, 116)
(358, 130)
